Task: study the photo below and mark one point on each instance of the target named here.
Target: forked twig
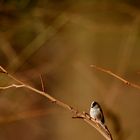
(84, 116)
(116, 76)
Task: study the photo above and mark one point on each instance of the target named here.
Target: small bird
(96, 112)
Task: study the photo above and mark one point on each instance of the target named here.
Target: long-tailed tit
(96, 112)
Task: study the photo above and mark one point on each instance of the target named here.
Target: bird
(96, 112)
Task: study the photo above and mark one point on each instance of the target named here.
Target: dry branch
(83, 116)
(116, 76)
(2, 70)
(42, 82)
(12, 85)
(23, 115)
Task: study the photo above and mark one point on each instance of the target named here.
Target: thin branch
(2, 70)
(94, 123)
(12, 85)
(23, 115)
(116, 76)
(42, 82)
(84, 116)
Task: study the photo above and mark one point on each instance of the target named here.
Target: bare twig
(12, 85)
(2, 70)
(95, 123)
(42, 83)
(84, 116)
(23, 115)
(116, 76)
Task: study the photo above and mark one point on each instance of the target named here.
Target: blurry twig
(2, 70)
(84, 116)
(39, 41)
(12, 85)
(116, 76)
(24, 115)
(42, 83)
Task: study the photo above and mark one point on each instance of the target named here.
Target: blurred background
(60, 40)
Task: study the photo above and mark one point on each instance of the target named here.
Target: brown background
(60, 40)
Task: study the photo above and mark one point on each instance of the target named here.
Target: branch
(23, 115)
(95, 123)
(2, 70)
(12, 85)
(116, 76)
(42, 82)
(102, 129)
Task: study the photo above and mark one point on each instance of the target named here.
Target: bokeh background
(60, 40)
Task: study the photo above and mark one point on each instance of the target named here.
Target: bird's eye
(94, 104)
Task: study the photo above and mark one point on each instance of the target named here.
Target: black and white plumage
(96, 112)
